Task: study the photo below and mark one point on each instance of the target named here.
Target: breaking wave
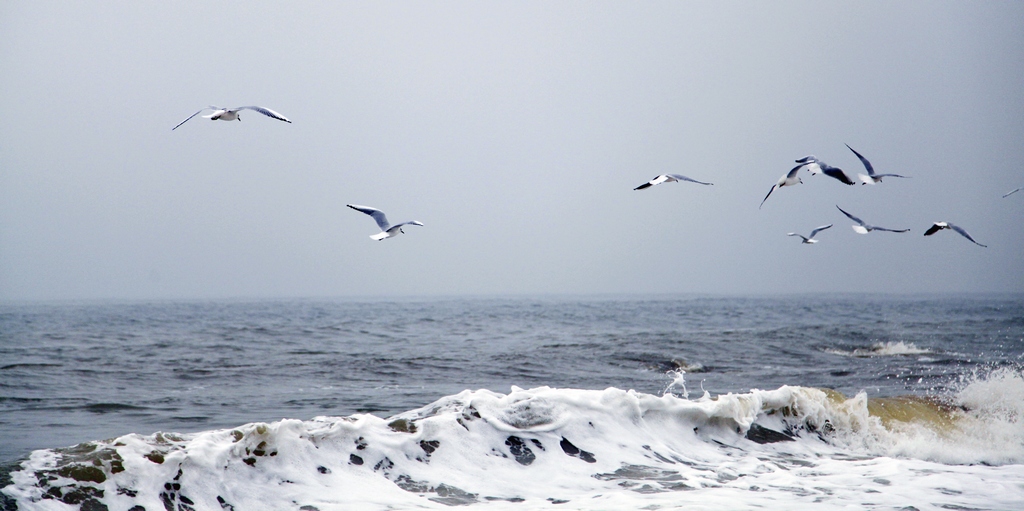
(882, 349)
(792, 447)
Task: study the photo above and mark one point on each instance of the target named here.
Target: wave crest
(544, 446)
(882, 349)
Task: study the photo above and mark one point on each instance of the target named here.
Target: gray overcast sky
(516, 132)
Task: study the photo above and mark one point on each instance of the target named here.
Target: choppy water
(225, 374)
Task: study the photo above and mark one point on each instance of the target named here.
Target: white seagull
(669, 178)
(938, 226)
(1011, 192)
(871, 178)
(817, 166)
(386, 229)
(789, 179)
(231, 114)
(863, 228)
(810, 239)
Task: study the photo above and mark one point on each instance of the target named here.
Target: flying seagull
(231, 114)
(789, 179)
(810, 239)
(669, 178)
(1011, 192)
(938, 226)
(863, 228)
(386, 229)
(871, 178)
(817, 166)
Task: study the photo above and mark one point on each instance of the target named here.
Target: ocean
(662, 402)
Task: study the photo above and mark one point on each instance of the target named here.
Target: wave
(882, 349)
(792, 447)
(28, 366)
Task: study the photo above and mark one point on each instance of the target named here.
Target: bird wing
(265, 111)
(819, 229)
(867, 164)
(814, 167)
(837, 173)
(891, 175)
(936, 227)
(810, 158)
(195, 114)
(681, 177)
(890, 230)
(398, 226)
(1011, 192)
(805, 238)
(964, 234)
(656, 181)
(378, 215)
(851, 217)
(769, 193)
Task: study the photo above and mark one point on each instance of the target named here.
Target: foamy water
(791, 448)
(883, 349)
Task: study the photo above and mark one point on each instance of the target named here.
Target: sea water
(800, 402)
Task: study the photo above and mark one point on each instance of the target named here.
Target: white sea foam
(882, 349)
(791, 448)
(677, 386)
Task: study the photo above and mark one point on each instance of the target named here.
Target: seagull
(669, 178)
(789, 179)
(863, 228)
(810, 239)
(1011, 192)
(386, 229)
(817, 166)
(231, 114)
(938, 226)
(871, 178)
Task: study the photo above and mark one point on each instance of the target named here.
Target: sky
(516, 132)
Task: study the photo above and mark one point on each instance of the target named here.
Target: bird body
(789, 179)
(231, 114)
(809, 240)
(863, 228)
(386, 229)
(870, 178)
(669, 178)
(938, 226)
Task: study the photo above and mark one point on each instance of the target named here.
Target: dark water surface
(76, 372)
